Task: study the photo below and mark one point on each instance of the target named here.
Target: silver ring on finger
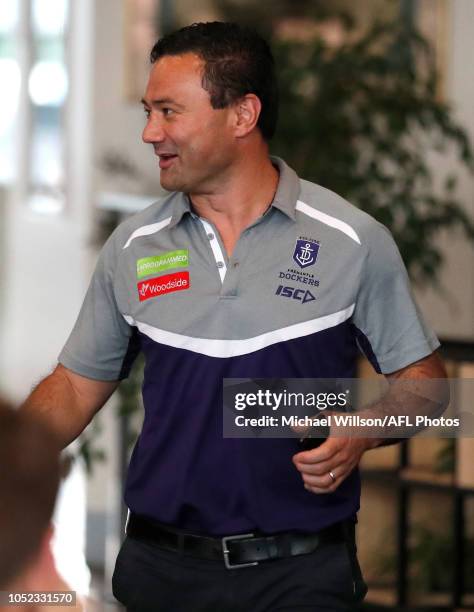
(331, 473)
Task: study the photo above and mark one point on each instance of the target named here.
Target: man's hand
(324, 468)
(336, 456)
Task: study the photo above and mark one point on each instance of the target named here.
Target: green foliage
(433, 558)
(88, 449)
(431, 555)
(446, 458)
(264, 15)
(130, 401)
(360, 120)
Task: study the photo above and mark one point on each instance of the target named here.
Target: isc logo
(301, 295)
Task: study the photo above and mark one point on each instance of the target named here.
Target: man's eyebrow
(160, 101)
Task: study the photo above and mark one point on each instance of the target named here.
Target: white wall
(47, 258)
(118, 123)
(453, 315)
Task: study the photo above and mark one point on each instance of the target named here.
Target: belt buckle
(226, 551)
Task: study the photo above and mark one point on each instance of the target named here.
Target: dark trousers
(150, 579)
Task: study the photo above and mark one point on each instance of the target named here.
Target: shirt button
(220, 264)
(210, 236)
(236, 264)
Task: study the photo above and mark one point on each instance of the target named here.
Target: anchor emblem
(306, 252)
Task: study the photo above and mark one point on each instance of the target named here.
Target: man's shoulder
(158, 212)
(328, 207)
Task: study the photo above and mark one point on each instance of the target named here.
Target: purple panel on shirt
(183, 472)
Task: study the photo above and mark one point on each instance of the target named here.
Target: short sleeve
(102, 345)
(390, 329)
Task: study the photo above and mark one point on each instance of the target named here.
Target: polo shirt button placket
(229, 275)
(231, 282)
(234, 270)
(217, 252)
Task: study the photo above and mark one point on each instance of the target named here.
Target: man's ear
(247, 111)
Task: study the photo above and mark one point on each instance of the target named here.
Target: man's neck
(238, 203)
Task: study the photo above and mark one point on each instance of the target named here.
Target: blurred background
(377, 103)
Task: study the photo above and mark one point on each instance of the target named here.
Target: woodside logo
(168, 283)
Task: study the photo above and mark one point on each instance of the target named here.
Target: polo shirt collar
(285, 197)
(288, 189)
(181, 206)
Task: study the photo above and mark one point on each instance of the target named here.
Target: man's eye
(147, 112)
(167, 111)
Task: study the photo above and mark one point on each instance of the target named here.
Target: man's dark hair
(29, 479)
(237, 61)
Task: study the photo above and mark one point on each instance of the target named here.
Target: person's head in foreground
(29, 479)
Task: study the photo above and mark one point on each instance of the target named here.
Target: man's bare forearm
(54, 401)
(66, 402)
(403, 399)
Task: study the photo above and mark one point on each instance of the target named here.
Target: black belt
(236, 550)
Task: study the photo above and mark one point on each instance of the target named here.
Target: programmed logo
(306, 252)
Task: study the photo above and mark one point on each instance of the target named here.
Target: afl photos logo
(306, 252)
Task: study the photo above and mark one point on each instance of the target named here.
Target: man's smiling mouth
(166, 159)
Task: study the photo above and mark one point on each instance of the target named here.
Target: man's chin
(168, 183)
(173, 183)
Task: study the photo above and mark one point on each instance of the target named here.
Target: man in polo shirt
(243, 270)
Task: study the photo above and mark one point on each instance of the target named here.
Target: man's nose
(153, 131)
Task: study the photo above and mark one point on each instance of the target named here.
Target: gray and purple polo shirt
(310, 283)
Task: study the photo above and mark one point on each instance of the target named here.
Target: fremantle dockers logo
(306, 252)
